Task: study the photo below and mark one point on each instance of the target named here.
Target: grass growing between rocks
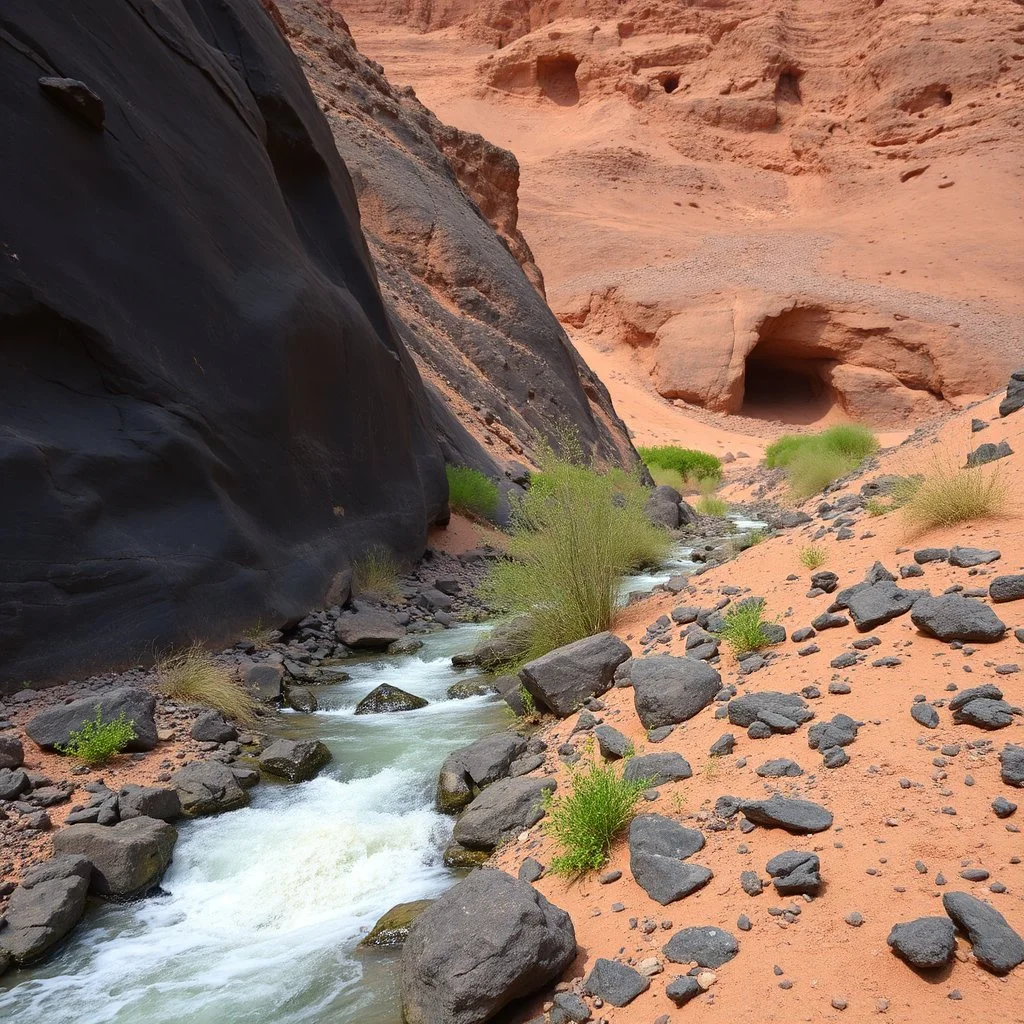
(688, 463)
(575, 534)
(471, 493)
(744, 627)
(98, 741)
(813, 461)
(709, 505)
(377, 573)
(193, 677)
(812, 557)
(949, 495)
(260, 636)
(585, 822)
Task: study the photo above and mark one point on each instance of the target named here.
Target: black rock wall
(204, 412)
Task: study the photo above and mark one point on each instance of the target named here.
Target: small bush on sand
(687, 462)
(98, 741)
(471, 493)
(575, 534)
(585, 822)
(949, 495)
(709, 505)
(193, 677)
(376, 572)
(744, 627)
(813, 557)
(813, 461)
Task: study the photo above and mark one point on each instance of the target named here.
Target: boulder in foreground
(994, 943)
(953, 617)
(295, 760)
(53, 727)
(386, 699)
(502, 941)
(668, 690)
(564, 678)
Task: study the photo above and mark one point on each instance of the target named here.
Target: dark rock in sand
(681, 990)
(779, 712)
(617, 984)
(829, 620)
(994, 943)
(925, 943)
(612, 744)
(825, 580)
(387, 699)
(797, 816)
(1002, 807)
(501, 812)
(13, 782)
(952, 617)
(723, 745)
(148, 802)
(295, 760)
(530, 870)
(988, 452)
(502, 941)
(841, 731)
(925, 555)
(925, 714)
(12, 754)
(53, 727)
(128, 859)
(966, 558)
(564, 678)
(1011, 763)
(1007, 588)
(669, 690)
(779, 768)
(657, 848)
(879, 603)
(45, 907)
(662, 507)
(705, 946)
(795, 873)
(659, 768)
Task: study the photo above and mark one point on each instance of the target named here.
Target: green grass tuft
(575, 534)
(471, 493)
(743, 630)
(949, 495)
(813, 557)
(813, 461)
(687, 462)
(193, 677)
(667, 477)
(98, 741)
(585, 822)
(709, 505)
(376, 573)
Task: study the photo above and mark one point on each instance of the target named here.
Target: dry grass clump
(812, 557)
(709, 505)
(376, 573)
(949, 495)
(193, 677)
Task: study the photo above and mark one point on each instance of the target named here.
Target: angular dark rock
(952, 617)
(994, 943)
(369, 628)
(1003, 808)
(723, 745)
(825, 580)
(617, 984)
(1011, 764)
(662, 507)
(779, 768)
(612, 744)
(705, 946)
(210, 727)
(988, 452)
(925, 943)
(53, 727)
(294, 760)
(879, 603)
(207, 787)
(841, 731)
(966, 558)
(659, 768)
(829, 620)
(148, 802)
(1007, 588)
(657, 848)
(780, 712)
(925, 555)
(12, 754)
(795, 873)
(564, 678)
(669, 690)
(387, 699)
(797, 816)
(503, 941)
(502, 811)
(681, 990)
(475, 766)
(924, 714)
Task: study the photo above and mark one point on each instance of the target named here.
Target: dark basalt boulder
(994, 943)
(295, 760)
(502, 940)
(564, 678)
(471, 768)
(53, 727)
(668, 690)
(925, 943)
(392, 928)
(387, 699)
(953, 617)
(208, 787)
(501, 812)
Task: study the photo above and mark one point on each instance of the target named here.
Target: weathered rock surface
(387, 699)
(657, 849)
(659, 768)
(503, 941)
(471, 768)
(615, 983)
(704, 946)
(953, 617)
(12, 754)
(795, 873)
(148, 802)
(295, 760)
(208, 787)
(669, 690)
(563, 679)
(505, 643)
(128, 859)
(780, 712)
(369, 628)
(796, 816)
(53, 727)
(211, 727)
(1007, 588)
(392, 928)
(501, 811)
(994, 943)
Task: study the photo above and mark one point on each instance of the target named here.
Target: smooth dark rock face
(876, 604)
(925, 943)
(796, 816)
(704, 946)
(503, 941)
(965, 558)
(779, 712)
(612, 744)
(295, 760)
(952, 617)
(615, 983)
(202, 444)
(211, 727)
(1011, 765)
(563, 679)
(994, 943)
(370, 628)
(658, 847)
(475, 766)
(392, 928)
(502, 811)
(659, 768)
(668, 690)
(53, 727)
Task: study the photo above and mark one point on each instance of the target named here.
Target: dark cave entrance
(556, 79)
(670, 83)
(787, 88)
(791, 390)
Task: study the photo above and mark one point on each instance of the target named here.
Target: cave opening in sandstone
(790, 390)
(556, 78)
(670, 83)
(787, 88)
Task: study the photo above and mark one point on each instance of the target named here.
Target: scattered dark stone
(723, 746)
(995, 945)
(974, 875)
(925, 714)
(612, 744)
(988, 452)
(925, 555)
(669, 690)
(682, 990)
(795, 873)
(779, 768)
(965, 558)
(825, 581)
(839, 687)
(502, 811)
(704, 946)
(12, 754)
(53, 727)
(211, 727)
(845, 660)
(530, 870)
(207, 787)
(829, 620)
(615, 983)
(295, 760)
(1007, 588)
(658, 768)
(1002, 807)
(780, 712)
(952, 617)
(800, 635)
(797, 816)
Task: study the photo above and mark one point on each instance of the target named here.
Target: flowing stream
(262, 908)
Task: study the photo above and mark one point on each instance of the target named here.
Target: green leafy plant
(377, 573)
(471, 493)
(98, 741)
(813, 461)
(949, 495)
(193, 677)
(585, 821)
(575, 534)
(529, 704)
(687, 462)
(744, 627)
(812, 557)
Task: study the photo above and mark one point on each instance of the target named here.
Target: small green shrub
(667, 477)
(529, 704)
(813, 557)
(949, 495)
(813, 461)
(376, 572)
(575, 534)
(708, 505)
(98, 741)
(744, 627)
(876, 507)
(585, 822)
(687, 462)
(470, 492)
(193, 677)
